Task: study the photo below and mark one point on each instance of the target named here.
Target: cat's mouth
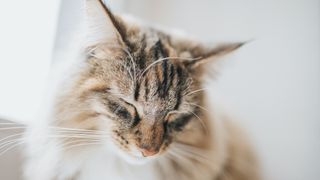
(134, 155)
(148, 152)
(139, 159)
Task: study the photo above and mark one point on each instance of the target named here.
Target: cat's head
(140, 85)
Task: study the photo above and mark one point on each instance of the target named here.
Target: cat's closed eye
(176, 121)
(124, 111)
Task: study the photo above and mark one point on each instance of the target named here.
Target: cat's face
(144, 95)
(141, 86)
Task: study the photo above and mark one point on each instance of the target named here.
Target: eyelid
(169, 118)
(177, 115)
(127, 103)
(135, 114)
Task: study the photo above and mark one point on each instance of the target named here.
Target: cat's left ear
(101, 25)
(204, 54)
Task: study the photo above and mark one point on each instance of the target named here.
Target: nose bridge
(152, 136)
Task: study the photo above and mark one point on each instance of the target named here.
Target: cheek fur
(121, 140)
(165, 145)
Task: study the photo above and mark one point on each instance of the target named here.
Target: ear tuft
(101, 24)
(209, 53)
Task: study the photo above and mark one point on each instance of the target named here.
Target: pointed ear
(102, 26)
(204, 54)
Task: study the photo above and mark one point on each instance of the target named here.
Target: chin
(137, 160)
(132, 157)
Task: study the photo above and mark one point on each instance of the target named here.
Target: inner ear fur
(209, 53)
(102, 25)
(195, 53)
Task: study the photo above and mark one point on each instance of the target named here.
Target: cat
(133, 105)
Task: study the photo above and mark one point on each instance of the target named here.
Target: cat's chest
(104, 167)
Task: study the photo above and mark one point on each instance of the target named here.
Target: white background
(272, 84)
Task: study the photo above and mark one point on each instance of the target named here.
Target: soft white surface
(26, 40)
(273, 83)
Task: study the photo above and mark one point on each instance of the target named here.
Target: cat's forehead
(147, 40)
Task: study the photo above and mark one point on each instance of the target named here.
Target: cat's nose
(146, 152)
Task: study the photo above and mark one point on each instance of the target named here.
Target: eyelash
(179, 122)
(123, 112)
(172, 121)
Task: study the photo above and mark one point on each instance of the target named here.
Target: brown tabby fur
(154, 104)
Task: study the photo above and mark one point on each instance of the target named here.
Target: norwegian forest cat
(132, 106)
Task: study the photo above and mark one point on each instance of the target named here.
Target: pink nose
(147, 152)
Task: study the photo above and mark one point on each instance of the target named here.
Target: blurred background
(272, 84)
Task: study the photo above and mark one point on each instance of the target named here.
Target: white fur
(46, 161)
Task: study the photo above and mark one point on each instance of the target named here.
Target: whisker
(192, 149)
(81, 132)
(189, 154)
(75, 136)
(163, 59)
(179, 156)
(73, 142)
(11, 128)
(133, 63)
(55, 128)
(77, 133)
(196, 91)
(193, 104)
(9, 123)
(183, 159)
(8, 145)
(203, 124)
(84, 144)
(133, 77)
(4, 144)
(75, 129)
(11, 147)
(11, 136)
(199, 156)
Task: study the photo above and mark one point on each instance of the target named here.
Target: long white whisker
(76, 141)
(195, 150)
(195, 91)
(200, 156)
(183, 159)
(178, 157)
(194, 154)
(4, 144)
(56, 128)
(77, 133)
(75, 129)
(201, 122)
(84, 144)
(163, 59)
(133, 77)
(9, 123)
(193, 104)
(133, 63)
(11, 136)
(76, 136)
(11, 128)
(9, 148)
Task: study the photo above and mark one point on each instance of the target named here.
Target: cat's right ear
(101, 25)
